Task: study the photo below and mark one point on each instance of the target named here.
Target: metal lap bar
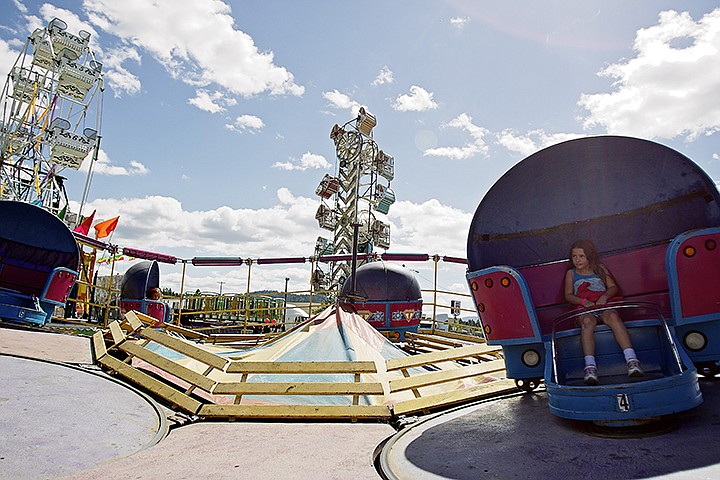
(614, 306)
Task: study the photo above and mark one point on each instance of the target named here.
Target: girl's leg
(587, 334)
(613, 320)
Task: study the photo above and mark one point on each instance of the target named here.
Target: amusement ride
(51, 113)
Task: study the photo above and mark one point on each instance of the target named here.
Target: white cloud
(341, 101)
(197, 42)
(307, 161)
(7, 56)
(412, 232)
(459, 22)
(286, 229)
(246, 123)
(418, 100)
(214, 102)
(665, 90)
(119, 78)
(104, 166)
(530, 142)
(385, 76)
(471, 149)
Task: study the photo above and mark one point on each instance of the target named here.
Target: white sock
(590, 360)
(630, 354)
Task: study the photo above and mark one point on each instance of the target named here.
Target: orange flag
(103, 229)
(84, 226)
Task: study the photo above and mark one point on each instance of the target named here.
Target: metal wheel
(349, 145)
(527, 384)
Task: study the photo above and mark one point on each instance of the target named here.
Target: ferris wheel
(51, 111)
(359, 195)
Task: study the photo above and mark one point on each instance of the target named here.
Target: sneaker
(634, 370)
(591, 377)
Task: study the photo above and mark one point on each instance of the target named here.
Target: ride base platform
(119, 433)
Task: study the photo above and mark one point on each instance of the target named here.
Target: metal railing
(614, 306)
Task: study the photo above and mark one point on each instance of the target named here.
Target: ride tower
(51, 111)
(359, 196)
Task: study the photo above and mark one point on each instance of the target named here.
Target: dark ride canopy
(383, 282)
(35, 238)
(620, 192)
(139, 278)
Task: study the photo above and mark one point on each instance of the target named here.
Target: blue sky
(217, 114)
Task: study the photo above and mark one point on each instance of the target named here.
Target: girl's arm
(570, 297)
(611, 288)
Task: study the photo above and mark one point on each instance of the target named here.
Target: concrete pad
(252, 450)
(45, 346)
(518, 437)
(56, 419)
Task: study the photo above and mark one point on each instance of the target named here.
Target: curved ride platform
(62, 419)
(517, 437)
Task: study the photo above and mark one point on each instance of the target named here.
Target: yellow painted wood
(485, 390)
(432, 339)
(185, 348)
(316, 412)
(299, 388)
(167, 365)
(118, 336)
(440, 356)
(171, 395)
(98, 342)
(457, 336)
(433, 378)
(133, 320)
(301, 367)
(185, 332)
(418, 345)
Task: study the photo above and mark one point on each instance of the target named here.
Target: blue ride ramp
(39, 259)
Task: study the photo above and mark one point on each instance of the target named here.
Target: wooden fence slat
(98, 342)
(301, 367)
(440, 356)
(294, 388)
(433, 378)
(185, 348)
(297, 411)
(169, 366)
(118, 335)
(433, 339)
(133, 320)
(450, 398)
(170, 394)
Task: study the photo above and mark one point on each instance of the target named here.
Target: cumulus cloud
(214, 102)
(342, 101)
(196, 41)
(477, 146)
(120, 79)
(418, 100)
(413, 232)
(256, 233)
(385, 76)
(245, 123)
(459, 22)
(670, 88)
(307, 161)
(104, 166)
(530, 142)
